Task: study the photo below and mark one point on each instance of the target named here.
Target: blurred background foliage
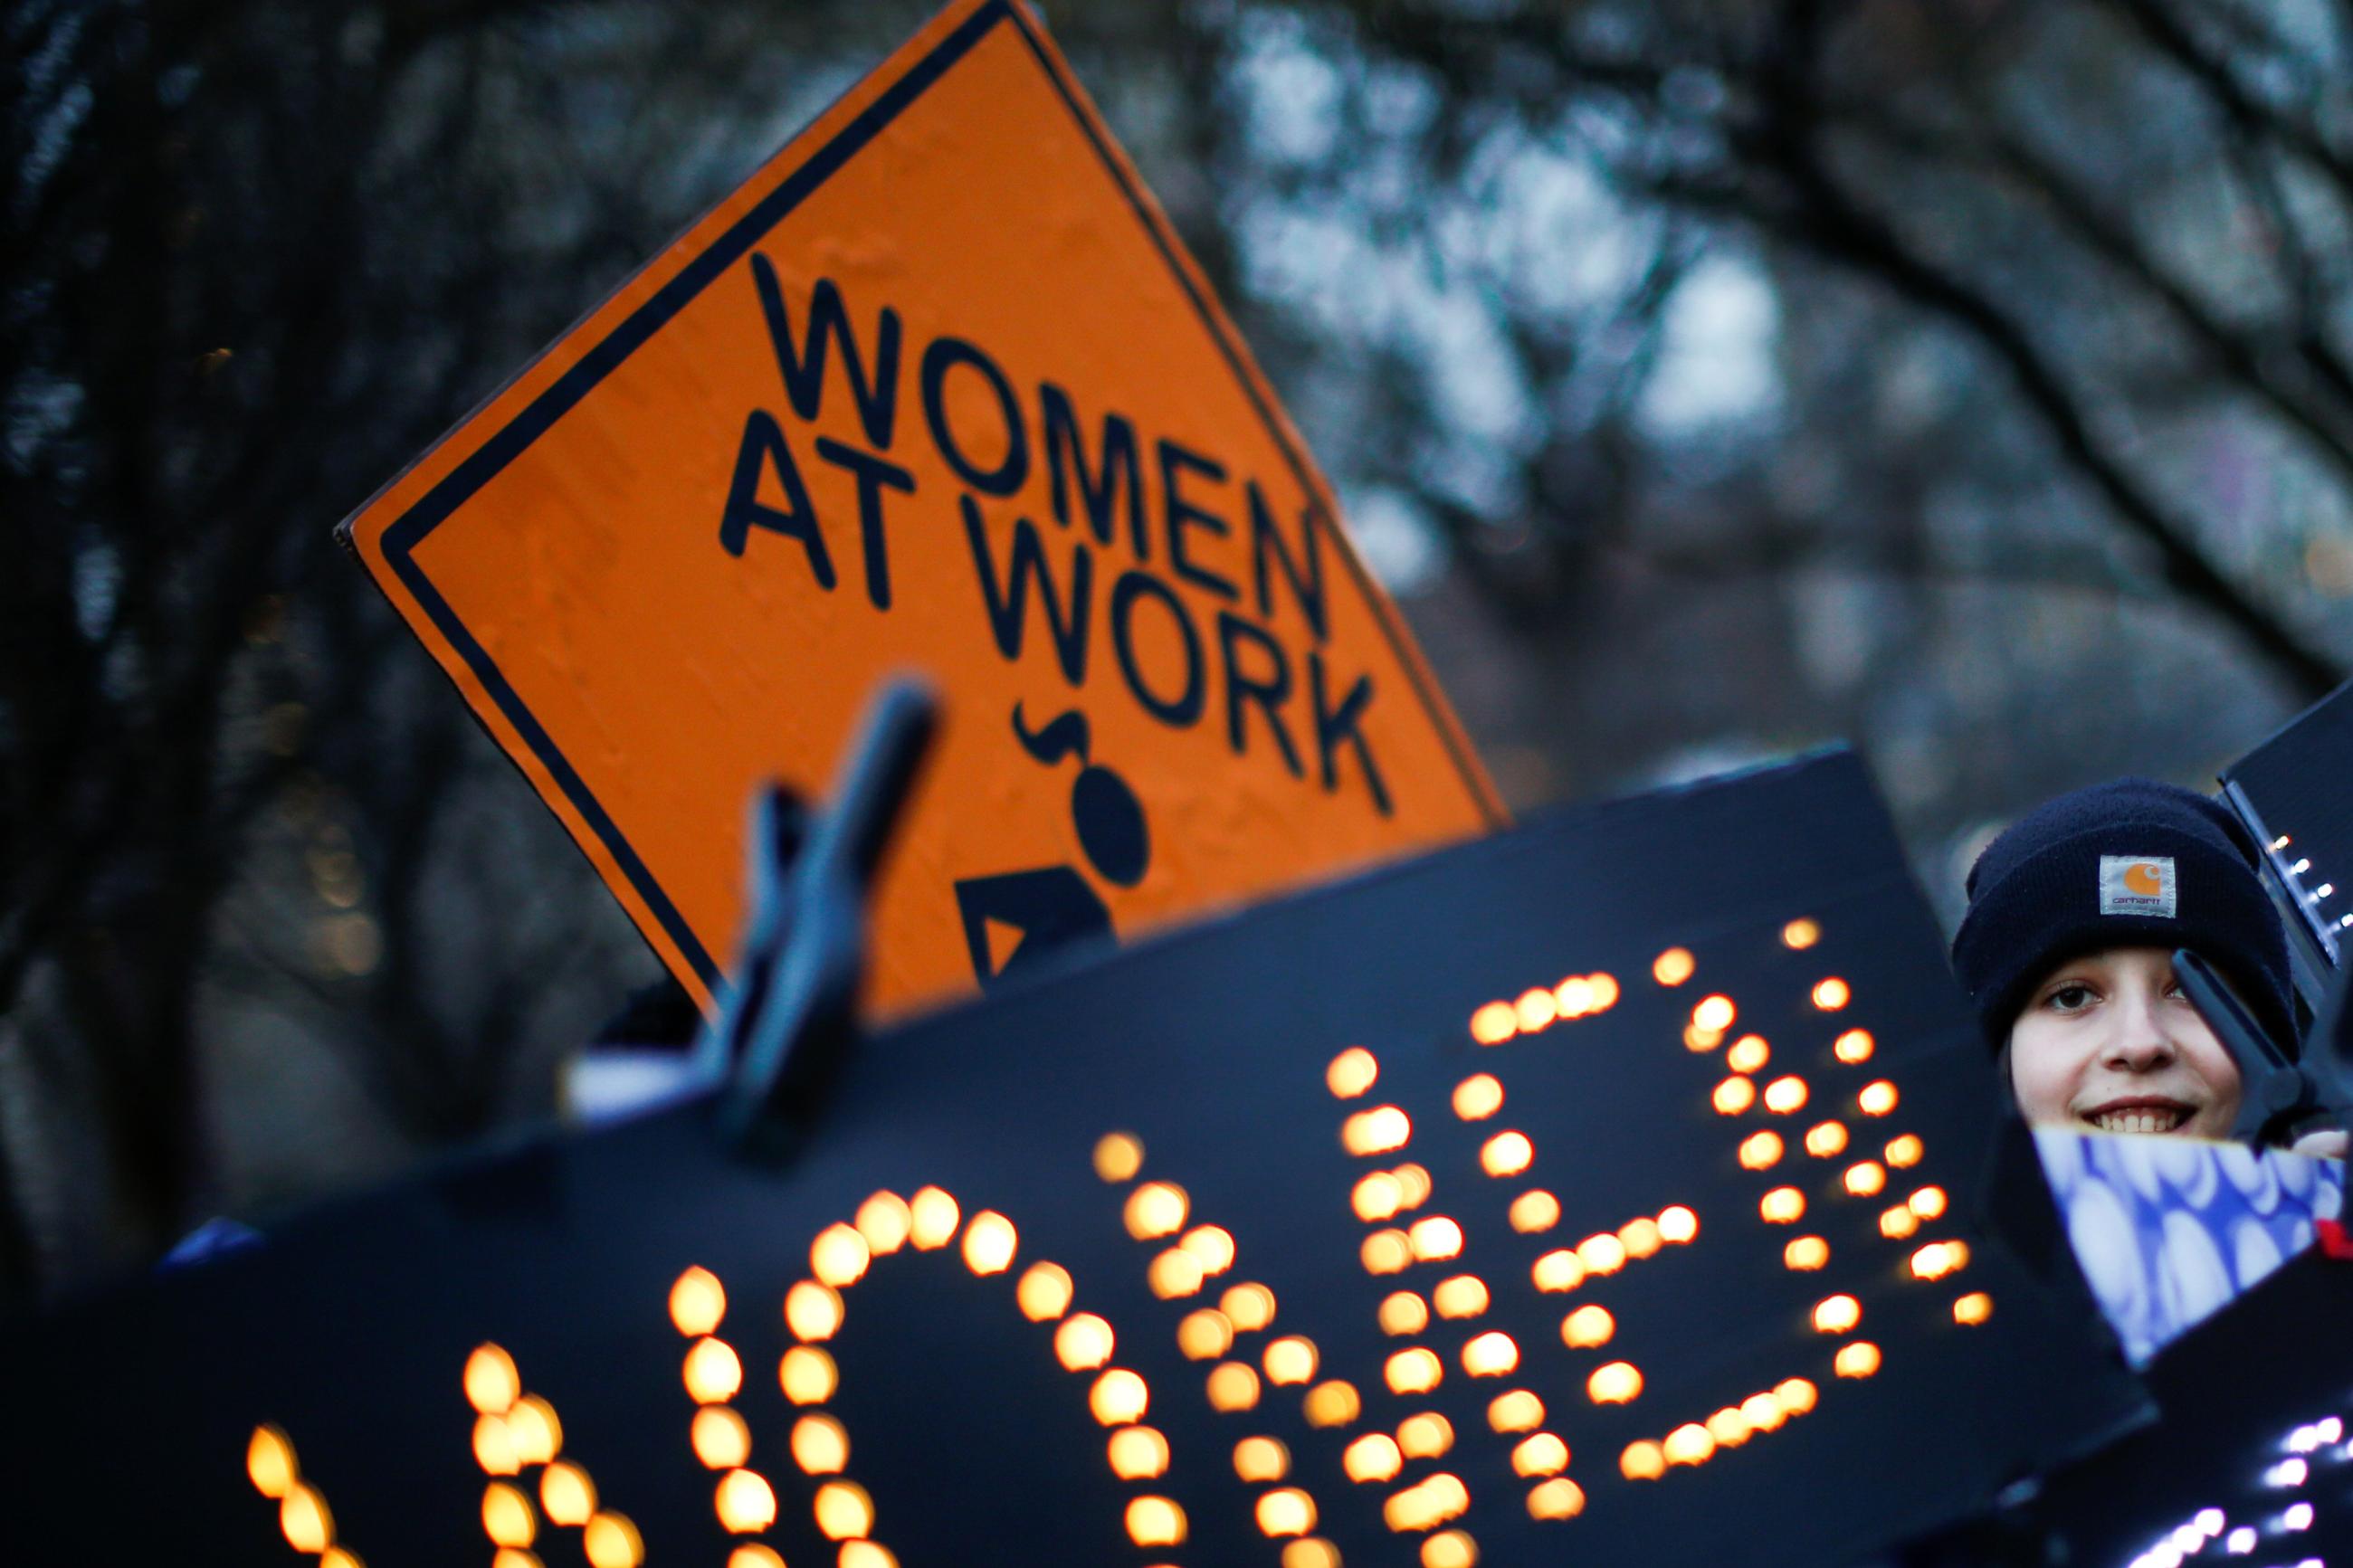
(1972, 379)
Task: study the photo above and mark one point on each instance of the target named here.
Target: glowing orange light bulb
(1857, 1358)
(1763, 1413)
(1118, 1397)
(1535, 1210)
(1782, 1205)
(1785, 1094)
(820, 1446)
(535, 1431)
(1490, 1355)
(1495, 1023)
(1232, 1386)
(1249, 1307)
(1450, 1548)
(813, 1311)
(1877, 1098)
(1560, 1498)
(1928, 1203)
(1615, 1383)
(1286, 1510)
(1699, 1041)
(1795, 1394)
(1825, 1139)
(1677, 1224)
(1154, 1522)
(491, 1382)
(712, 1372)
(1435, 1239)
(1734, 1096)
(1376, 1198)
(1537, 1009)
(1118, 1156)
(1083, 1342)
(1831, 994)
(1416, 1371)
(1205, 1335)
(1137, 1454)
(1518, 1411)
(1506, 1154)
(1853, 1047)
(1800, 934)
(1603, 1253)
(1174, 1273)
(1372, 1458)
(1689, 1444)
(269, 1462)
(1905, 1151)
(1866, 1178)
(989, 1243)
(566, 1495)
(1478, 1097)
(1376, 1132)
(843, 1510)
(1415, 1182)
(721, 1438)
(1641, 1237)
(1643, 1462)
(806, 1376)
(1728, 1426)
(506, 1517)
(1898, 1222)
(744, 1502)
(1714, 1014)
(840, 1255)
(886, 1221)
(750, 1554)
(1973, 1308)
(1291, 1360)
(1386, 1252)
(1605, 991)
(1672, 967)
(1156, 1209)
(1807, 1253)
(1560, 1270)
(1260, 1459)
(1044, 1292)
(1587, 1327)
(1425, 1436)
(1748, 1054)
(610, 1541)
(1352, 1072)
(1332, 1403)
(1403, 1312)
(1760, 1151)
(1575, 996)
(1464, 1296)
(1311, 1552)
(696, 1302)
(1837, 1314)
(303, 1519)
(931, 1216)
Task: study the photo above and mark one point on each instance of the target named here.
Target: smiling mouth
(2140, 1119)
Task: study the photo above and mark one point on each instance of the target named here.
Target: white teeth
(2138, 1120)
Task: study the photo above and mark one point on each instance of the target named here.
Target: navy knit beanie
(2130, 863)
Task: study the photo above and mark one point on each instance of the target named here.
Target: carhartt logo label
(2137, 885)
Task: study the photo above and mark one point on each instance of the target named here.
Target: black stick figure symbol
(1053, 906)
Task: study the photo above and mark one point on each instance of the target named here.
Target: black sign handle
(790, 1013)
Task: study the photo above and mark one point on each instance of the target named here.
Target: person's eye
(2071, 997)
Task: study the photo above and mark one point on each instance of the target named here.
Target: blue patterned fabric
(2170, 1229)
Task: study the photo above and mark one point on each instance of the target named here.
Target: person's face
(2109, 1042)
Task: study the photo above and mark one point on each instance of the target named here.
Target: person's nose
(2139, 1040)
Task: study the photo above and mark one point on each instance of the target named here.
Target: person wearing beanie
(2066, 951)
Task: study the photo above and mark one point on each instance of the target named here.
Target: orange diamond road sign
(937, 390)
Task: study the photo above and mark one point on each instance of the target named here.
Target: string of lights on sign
(1395, 1443)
